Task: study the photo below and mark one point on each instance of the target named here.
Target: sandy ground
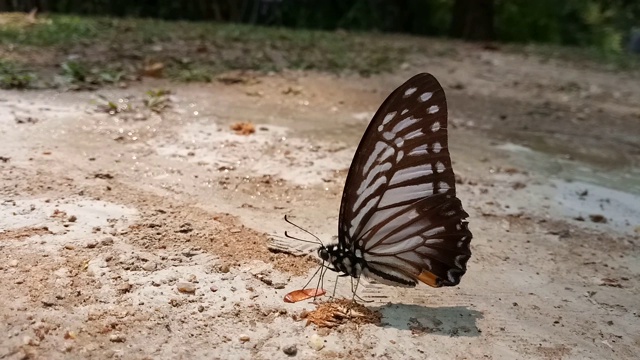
(154, 236)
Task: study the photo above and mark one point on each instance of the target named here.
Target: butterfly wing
(399, 208)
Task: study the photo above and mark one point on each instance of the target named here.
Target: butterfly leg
(335, 286)
(322, 272)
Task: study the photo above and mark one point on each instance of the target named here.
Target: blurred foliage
(604, 24)
(12, 76)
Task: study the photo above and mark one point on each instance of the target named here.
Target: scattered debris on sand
(335, 312)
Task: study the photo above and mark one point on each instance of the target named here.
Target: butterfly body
(400, 220)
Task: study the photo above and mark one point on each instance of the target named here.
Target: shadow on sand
(445, 320)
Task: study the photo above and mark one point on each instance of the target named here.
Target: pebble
(316, 342)
(185, 287)
(290, 350)
(13, 263)
(244, 338)
(224, 268)
(213, 288)
(124, 288)
(119, 338)
(149, 266)
(91, 244)
(48, 301)
(107, 241)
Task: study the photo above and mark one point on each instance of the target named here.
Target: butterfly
(400, 220)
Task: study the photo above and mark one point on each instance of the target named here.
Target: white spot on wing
(436, 147)
(426, 96)
(436, 126)
(443, 186)
(419, 151)
(433, 241)
(439, 167)
(406, 193)
(388, 135)
(414, 134)
(410, 91)
(405, 123)
(372, 175)
(389, 117)
(399, 142)
(459, 259)
(368, 191)
(380, 146)
(404, 111)
(402, 246)
(433, 109)
(380, 128)
(399, 156)
(411, 173)
(370, 204)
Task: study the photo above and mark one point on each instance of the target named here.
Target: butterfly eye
(324, 255)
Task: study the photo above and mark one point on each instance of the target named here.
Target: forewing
(399, 205)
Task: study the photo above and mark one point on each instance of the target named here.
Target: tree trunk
(473, 19)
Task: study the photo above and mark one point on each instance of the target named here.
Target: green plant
(13, 77)
(158, 100)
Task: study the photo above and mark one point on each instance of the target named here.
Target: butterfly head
(325, 252)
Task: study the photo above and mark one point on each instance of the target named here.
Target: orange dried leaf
(243, 128)
(304, 294)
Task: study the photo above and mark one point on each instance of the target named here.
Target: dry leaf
(304, 294)
(243, 128)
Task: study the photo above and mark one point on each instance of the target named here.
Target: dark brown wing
(399, 207)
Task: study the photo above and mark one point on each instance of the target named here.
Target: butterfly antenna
(305, 230)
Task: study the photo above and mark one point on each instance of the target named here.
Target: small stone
(149, 266)
(124, 288)
(48, 301)
(28, 340)
(213, 288)
(119, 338)
(91, 244)
(244, 338)
(224, 268)
(13, 263)
(290, 350)
(69, 246)
(107, 241)
(200, 308)
(186, 288)
(597, 218)
(316, 342)
(72, 218)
